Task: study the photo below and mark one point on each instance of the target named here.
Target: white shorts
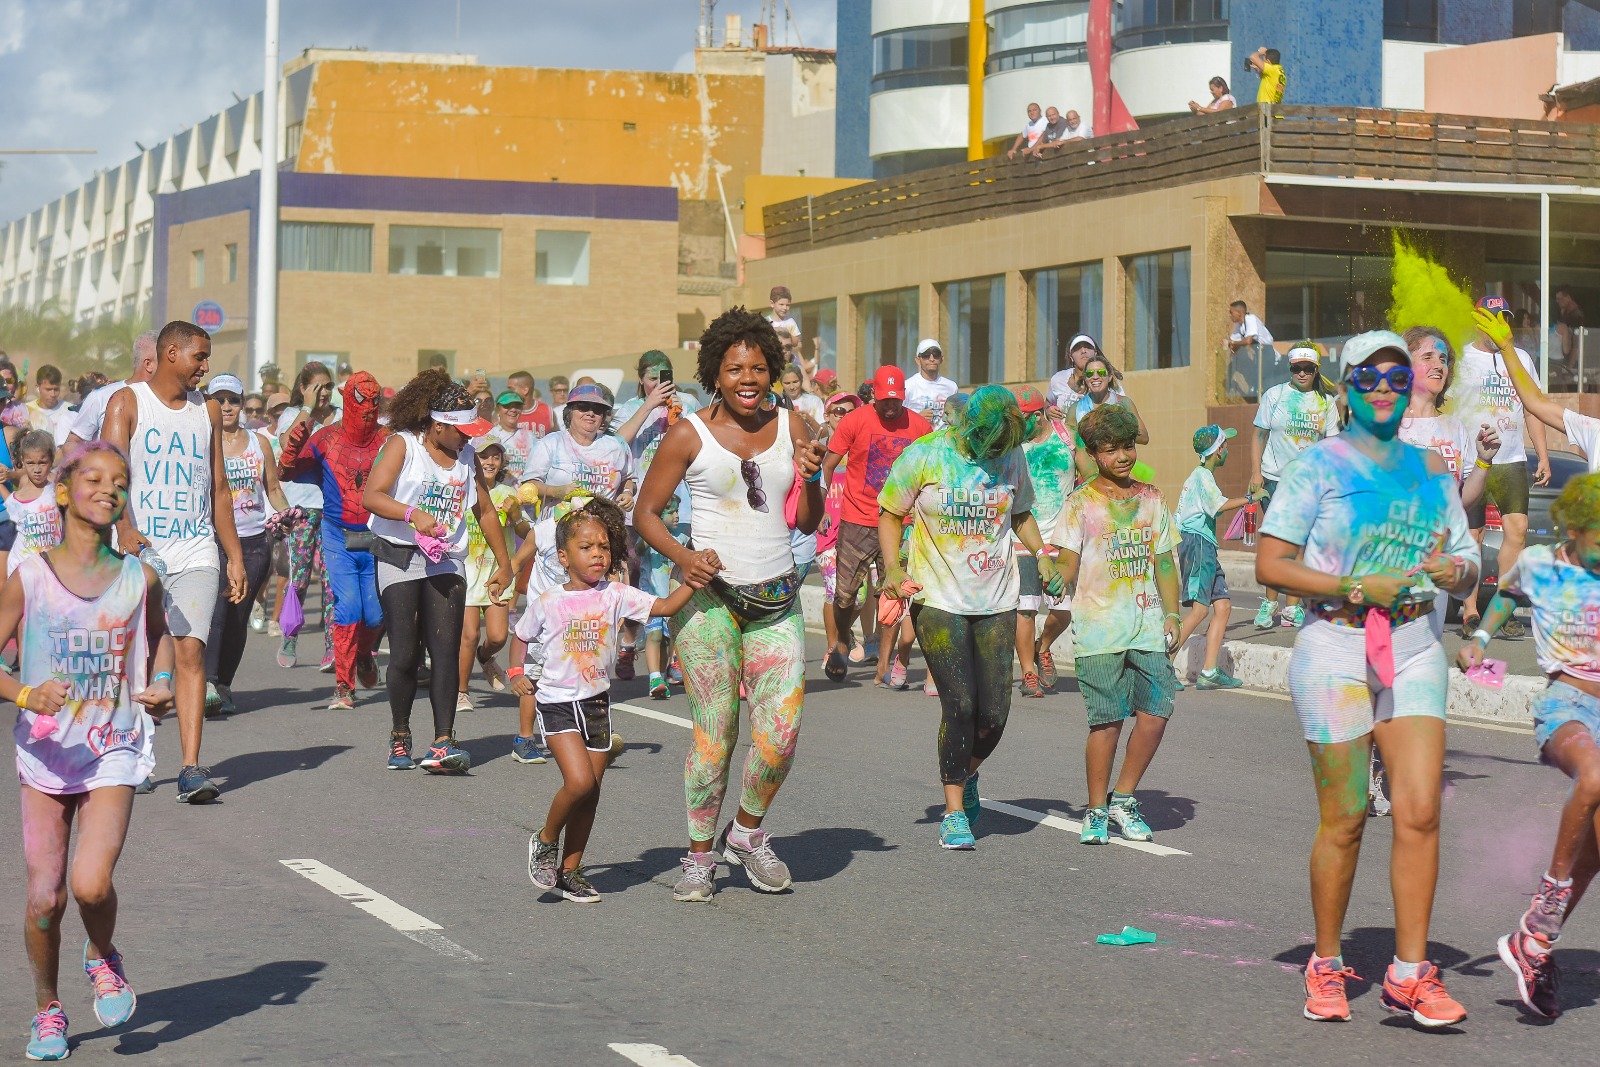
(1338, 697)
(190, 599)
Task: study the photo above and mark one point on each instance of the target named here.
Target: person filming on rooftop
(1221, 98)
(1267, 64)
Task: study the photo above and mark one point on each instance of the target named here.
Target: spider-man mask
(361, 395)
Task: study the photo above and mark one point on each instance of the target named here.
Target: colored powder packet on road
(1130, 935)
(1490, 673)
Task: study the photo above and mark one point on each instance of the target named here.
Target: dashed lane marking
(652, 713)
(422, 930)
(650, 1055)
(1069, 825)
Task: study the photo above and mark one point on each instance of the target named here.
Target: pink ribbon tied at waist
(1379, 630)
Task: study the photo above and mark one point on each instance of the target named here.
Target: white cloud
(13, 26)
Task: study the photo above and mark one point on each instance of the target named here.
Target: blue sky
(102, 74)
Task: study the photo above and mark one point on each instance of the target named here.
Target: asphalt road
(888, 950)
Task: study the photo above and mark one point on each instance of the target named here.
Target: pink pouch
(1235, 526)
(892, 609)
(45, 725)
(1380, 645)
(431, 546)
(1490, 673)
(292, 617)
(791, 503)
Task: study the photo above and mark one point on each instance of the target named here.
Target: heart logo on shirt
(983, 562)
(99, 736)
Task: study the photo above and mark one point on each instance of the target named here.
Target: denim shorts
(1560, 704)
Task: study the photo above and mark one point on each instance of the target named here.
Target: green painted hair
(1578, 506)
(991, 425)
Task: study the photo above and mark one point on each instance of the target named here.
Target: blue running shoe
(195, 785)
(1217, 678)
(955, 834)
(114, 1000)
(444, 757)
(48, 1041)
(1096, 827)
(400, 752)
(1130, 821)
(970, 802)
(527, 750)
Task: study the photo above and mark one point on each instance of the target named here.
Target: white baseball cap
(927, 343)
(1363, 346)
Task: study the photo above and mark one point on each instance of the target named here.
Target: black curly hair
(608, 515)
(432, 390)
(737, 326)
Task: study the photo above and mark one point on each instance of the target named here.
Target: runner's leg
(102, 829)
(46, 838)
(774, 655)
(710, 649)
(443, 610)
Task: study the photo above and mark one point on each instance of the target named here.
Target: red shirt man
(871, 437)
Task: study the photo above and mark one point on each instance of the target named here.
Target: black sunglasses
(751, 472)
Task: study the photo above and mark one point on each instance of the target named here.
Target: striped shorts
(1338, 697)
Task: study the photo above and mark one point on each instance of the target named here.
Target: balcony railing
(1371, 143)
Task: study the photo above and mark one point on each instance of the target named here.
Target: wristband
(409, 510)
(1483, 466)
(1174, 615)
(22, 696)
(1483, 634)
(515, 672)
(817, 477)
(164, 674)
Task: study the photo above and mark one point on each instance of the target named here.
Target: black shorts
(589, 718)
(1506, 489)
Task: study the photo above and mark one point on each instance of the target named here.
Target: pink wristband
(409, 510)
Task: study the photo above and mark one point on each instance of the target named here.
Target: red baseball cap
(1030, 400)
(889, 384)
(825, 375)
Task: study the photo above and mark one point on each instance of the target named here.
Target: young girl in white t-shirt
(576, 625)
(31, 507)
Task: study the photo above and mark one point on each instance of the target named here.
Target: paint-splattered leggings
(305, 559)
(718, 650)
(969, 657)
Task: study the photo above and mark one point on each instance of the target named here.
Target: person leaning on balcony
(1077, 129)
(1221, 98)
(1030, 133)
(1268, 65)
(1055, 129)
(1247, 329)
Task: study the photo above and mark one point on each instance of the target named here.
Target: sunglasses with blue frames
(1366, 379)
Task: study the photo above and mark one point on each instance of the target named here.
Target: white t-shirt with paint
(927, 398)
(1447, 435)
(602, 467)
(1584, 432)
(1294, 421)
(1487, 395)
(579, 632)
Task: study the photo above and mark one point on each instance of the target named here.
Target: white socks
(740, 835)
(1404, 971)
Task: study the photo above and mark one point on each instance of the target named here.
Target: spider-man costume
(339, 457)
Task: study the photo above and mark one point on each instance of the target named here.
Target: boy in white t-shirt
(1204, 585)
(787, 329)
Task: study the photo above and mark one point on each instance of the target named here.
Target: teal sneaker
(114, 999)
(1292, 618)
(971, 805)
(1095, 827)
(955, 833)
(1265, 613)
(48, 1039)
(1125, 813)
(1217, 678)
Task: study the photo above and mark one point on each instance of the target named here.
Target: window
(233, 262)
(197, 269)
(330, 360)
(330, 246)
(1038, 35)
(1410, 20)
(1158, 310)
(1142, 23)
(975, 330)
(819, 319)
(1532, 17)
(888, 329)
(453, 251)
(1066, 301)
(561, 257)
(433, 357)
(927, 55)
(1326, 297)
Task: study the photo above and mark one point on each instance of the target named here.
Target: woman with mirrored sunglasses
(1100, 379)
(1383, 532)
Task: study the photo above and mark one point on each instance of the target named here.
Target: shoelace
(1130, 810)
(1552, 899)
(1429, 987)
(50, 1023)
(107, 982)
(575, 880)
(700, 872)
(399, 746)
(1320, 981)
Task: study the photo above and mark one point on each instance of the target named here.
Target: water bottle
(152, 559)
(1250, 517)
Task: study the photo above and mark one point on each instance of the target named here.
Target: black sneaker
(1513, 630)
(195, 785)
(575, 887)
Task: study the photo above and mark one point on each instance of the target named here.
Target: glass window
(926, 55)
(1066, 301)
(452, 251)
(197, 269)
(1411, 20)
(330, 246)
(1574, 295)
(562, 257)
(233, 262)
(975, 328)
(1158, 310)
(1038, 35)
(1326, 297)
(888, 329)
(1142, 23)
(819, 331)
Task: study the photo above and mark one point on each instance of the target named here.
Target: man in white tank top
(179, 506)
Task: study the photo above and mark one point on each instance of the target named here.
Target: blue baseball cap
(1496, 304)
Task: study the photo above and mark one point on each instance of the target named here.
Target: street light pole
(264, 318)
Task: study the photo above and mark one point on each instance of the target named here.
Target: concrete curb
(1261, 666)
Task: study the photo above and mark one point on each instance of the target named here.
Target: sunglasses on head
(750, 471)
(1366, 379)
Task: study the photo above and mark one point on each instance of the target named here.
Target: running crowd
(949, 520)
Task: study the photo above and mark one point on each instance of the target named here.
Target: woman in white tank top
(740, 458)
(419, 492)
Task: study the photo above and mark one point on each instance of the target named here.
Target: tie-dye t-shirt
(1117, 606)
(1566, 610)
(1294, 421)
(1355, 517)
(1447, 435)
(578, 632)
(1050, 466)
(97, 648)
(1198, 504)
(962, 511)
(37, 523)
(1485, 394)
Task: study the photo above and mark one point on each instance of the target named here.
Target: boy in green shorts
(1117, 539)
(1205, 587)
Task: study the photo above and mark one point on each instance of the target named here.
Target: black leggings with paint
(969, 657)
(425, 609)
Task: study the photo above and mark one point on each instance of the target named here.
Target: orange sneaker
(1423, 998)
(1325, 999)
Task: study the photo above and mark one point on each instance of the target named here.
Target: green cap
(509, 398)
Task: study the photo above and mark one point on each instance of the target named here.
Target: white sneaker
(928, 688)
(464, 703)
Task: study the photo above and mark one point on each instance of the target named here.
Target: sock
(1335, 962)
(1120, 798)
(1559, 883)
(704, 859)
(1537, 946)
(655, 676)
(1404, 971)
(741, 835)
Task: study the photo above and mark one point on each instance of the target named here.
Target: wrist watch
(1355, 594)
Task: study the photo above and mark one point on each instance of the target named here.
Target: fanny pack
(359, 540)
(396, 556)
(762, 600)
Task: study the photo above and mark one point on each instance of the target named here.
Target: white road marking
(649, 1055)
(1076, 827)
(422, 930)
(652, 713)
